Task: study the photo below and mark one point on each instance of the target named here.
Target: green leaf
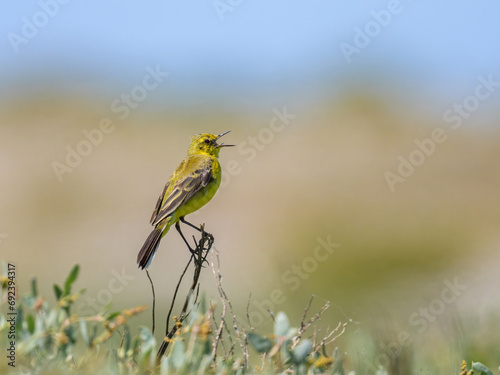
(147, 346)
(71, 333)
(73, 274)
(31, 323)
(261, 344)
(177, 355)
(281, 324)
(113, 315)
(301, 351)
(29, 300)
(478, 366)
(34, 289)
(58, 291)
(286, 353)
(106, 308)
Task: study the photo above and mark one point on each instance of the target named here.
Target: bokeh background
(362, 85)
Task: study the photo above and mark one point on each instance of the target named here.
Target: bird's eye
(207, 140)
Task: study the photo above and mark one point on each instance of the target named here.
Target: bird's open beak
(222, 144)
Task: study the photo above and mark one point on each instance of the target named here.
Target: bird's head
(206, 144)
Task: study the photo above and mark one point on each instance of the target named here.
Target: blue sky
(251, 48)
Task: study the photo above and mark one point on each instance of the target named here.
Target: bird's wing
(158, 204)
(183, 190)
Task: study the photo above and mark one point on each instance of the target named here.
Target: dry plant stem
(154, 302)
(123, 338)
(263, 357)
(204, 245)
(224, 298)
(223, 323)
(315, 337)
(304, 327)
(248, 315)
(219, 333)
(217, 336)
(167, 323)
(231, 342)
(231, 351)
(213, 322)
(325, 339)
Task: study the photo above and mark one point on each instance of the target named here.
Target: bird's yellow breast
(203, 196)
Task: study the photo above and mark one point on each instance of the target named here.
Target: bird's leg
(203, 234)
(206, 237)
(188, 223)
(194, 226)
(178, 227)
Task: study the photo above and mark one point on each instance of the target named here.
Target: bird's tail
(148, 250)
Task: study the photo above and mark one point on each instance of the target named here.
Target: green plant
(55, 339)
(283, 350)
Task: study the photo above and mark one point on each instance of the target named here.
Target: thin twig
(204, 245)
(219, 332)
(123, 337)
(175, 294)
(231, 351)
(154, 301)
(231, 342)
(340, 334)
(304, 327)
(315, 335)
(218, 278)
(325, 341)
(248, 315)
(221, 341)
(263, 357)
(223, 295)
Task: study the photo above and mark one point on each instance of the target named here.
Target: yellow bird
(191, 186)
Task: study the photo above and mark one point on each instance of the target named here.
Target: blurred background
(366, 169)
